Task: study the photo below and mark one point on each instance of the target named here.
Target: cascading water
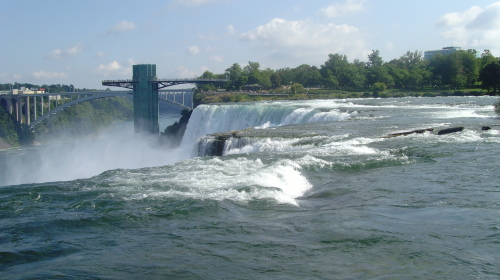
(313, 189)
(209, 119)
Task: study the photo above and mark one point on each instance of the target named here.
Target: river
(314, 191)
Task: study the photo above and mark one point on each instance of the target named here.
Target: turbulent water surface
(315, 191)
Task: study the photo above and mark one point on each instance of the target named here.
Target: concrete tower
(145, 99)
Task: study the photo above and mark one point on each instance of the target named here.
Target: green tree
(375, 59)
(254, 77)
(340, 68)
(409, 71)
(456, 70)
(470, 65)
(330, 81)
(357, 74)
(379, 74)
(297, 88)
(489, 76)
(378, 88)
(235, 74)
(251, 67)
(487, 58)
(207, 75)
(8, 130)
(286, 75)
(276, 79)
(314, 78)
(265, 78)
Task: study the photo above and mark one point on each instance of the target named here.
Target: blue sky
(85, 42)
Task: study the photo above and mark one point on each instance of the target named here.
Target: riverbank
(4, 145)
(245, 96)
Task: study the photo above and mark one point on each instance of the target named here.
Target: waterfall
(214, 118)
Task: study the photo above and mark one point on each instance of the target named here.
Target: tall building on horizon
(445, 51)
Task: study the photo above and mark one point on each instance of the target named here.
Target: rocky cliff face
(173, 134)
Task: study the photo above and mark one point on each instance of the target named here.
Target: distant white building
(24, 90)
(445, 51)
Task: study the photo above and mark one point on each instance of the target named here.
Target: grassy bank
(240, 96)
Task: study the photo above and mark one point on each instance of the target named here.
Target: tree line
(458, 70)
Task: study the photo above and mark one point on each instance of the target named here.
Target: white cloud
(55, 54)
(453, 19)
(474, 28)
(101, 54)
(194, 50)
(69, 51)
(203, 69)
(230, 30)
(389, 46)
(112, 66)
(48, 75)
(121, 27)
(303, 40)
(116, 69)
(338, 9)
(216, 58)
(183, 72)
(9, 77)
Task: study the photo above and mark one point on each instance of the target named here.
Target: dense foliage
(461, 69)
(86, 118)
(13, 133)
(7, 128)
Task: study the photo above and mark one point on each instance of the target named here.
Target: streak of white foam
(355, 146)
(237, 179)
(462, 113)
(257, 145)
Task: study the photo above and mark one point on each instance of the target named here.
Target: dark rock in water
(450, 130)
(173, 134)
(408, 132)
(485, 128)
(214, 144)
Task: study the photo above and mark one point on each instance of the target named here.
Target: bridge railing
(119, 81)
(189, 80)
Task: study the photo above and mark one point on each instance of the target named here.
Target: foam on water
(465, 136)
(238, 179)
(461, 113)
(207, 119)
(316, 145)
(256, 145)
(415, 206)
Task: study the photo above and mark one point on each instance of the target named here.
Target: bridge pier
(27, 110)
(34, 105)
(7, 105)
(19, 113)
